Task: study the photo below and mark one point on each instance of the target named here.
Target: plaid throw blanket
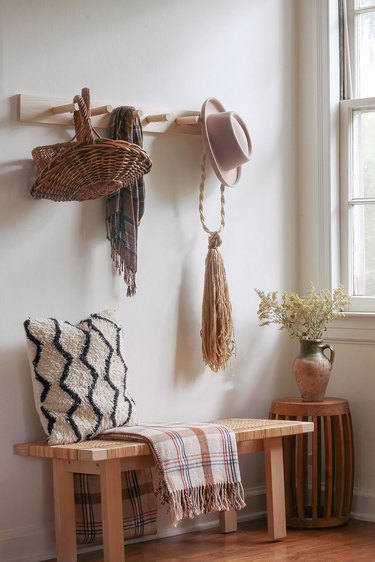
(138, 503)
(125, 209)
(197, 466)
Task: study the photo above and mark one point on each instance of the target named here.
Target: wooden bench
(109, 458)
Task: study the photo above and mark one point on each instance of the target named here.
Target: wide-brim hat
(226, 139)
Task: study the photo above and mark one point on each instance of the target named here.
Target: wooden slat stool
(319, 468)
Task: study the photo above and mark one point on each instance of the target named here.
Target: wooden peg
(67, 108)
(156, 118)
(188, 120)
(102, 110)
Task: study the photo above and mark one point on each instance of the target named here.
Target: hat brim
(227, 177)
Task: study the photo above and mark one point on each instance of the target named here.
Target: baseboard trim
(30, 544)
(363, 506)
(27, 544)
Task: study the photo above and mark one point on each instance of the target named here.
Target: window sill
(354, 327)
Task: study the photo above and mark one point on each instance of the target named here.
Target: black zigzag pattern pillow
(79, 376)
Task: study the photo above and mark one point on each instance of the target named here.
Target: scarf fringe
(118, 255)
(200, 500)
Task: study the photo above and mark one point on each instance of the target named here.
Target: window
(357, 152)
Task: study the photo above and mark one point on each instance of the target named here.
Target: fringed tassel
(218, 343)
(129, 278)
(117, 245)
(200, 500)
(217, 327)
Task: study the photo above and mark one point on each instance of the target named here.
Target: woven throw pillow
(79, 376)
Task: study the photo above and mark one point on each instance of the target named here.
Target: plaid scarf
(197, 466)
(125, 209)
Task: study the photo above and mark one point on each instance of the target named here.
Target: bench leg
(273, 458)
(111, 498)
(228, 521)
(63, 489)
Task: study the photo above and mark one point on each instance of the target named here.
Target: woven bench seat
(109, 458)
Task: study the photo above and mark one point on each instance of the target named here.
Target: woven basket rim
(61, 157)
(64, 163)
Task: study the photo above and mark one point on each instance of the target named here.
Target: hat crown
(229, 139)
(226, 139)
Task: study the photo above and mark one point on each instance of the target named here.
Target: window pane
(366, 54)
(364, 3)
(364, 154)
(363, 249)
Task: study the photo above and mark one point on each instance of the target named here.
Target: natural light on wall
(357, 149)
(363, 212)
(365, 47)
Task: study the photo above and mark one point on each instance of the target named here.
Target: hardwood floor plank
(352, 542)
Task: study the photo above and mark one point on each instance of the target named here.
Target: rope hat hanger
(228, 145)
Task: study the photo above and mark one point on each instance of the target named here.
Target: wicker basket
(88, 168)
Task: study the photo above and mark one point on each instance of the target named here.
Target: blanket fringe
(201, 500)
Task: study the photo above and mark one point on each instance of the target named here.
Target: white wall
(55, 259)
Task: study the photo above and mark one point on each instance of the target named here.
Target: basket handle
(85, 93)
(84, 129)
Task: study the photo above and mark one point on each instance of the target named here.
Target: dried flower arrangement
(306, 317)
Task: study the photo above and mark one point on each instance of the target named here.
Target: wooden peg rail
(57, 111)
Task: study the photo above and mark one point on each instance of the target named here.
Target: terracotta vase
(312, 369)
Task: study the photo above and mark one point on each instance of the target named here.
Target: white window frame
(348, 108)
(320, 197)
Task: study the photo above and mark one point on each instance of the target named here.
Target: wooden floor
(354, 542)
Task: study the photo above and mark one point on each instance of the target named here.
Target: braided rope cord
(217, 327)
(214, 240)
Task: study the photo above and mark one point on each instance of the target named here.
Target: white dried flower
(305, 317)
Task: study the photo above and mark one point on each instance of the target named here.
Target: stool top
(293, 406)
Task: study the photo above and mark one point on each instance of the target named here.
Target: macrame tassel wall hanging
(218, 344)
(227, 143)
